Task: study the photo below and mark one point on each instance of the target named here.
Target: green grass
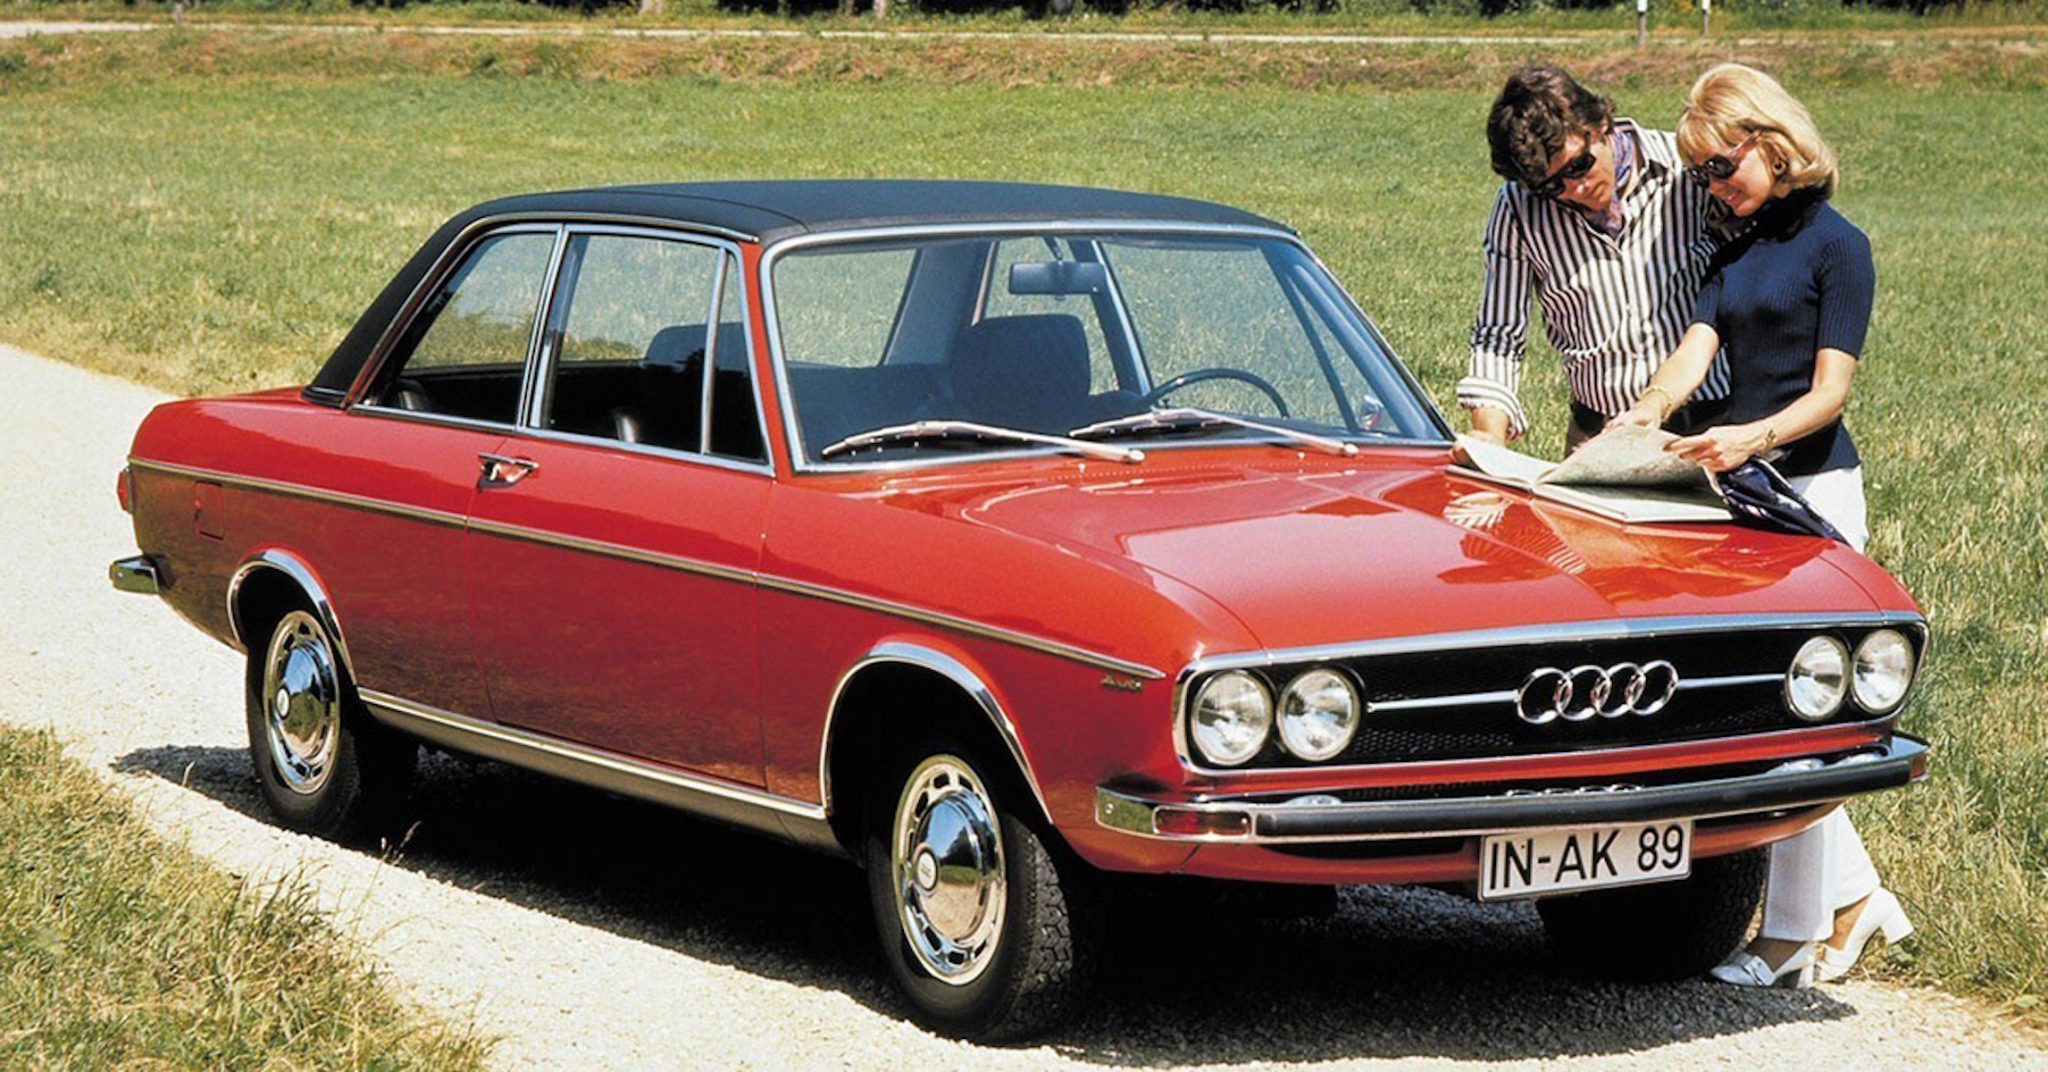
(209, 212)
(119, 951)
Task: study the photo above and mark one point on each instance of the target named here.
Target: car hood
(1308, 556)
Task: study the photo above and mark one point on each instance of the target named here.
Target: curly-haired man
(1599, 218)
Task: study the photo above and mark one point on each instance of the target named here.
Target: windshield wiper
(940, 430)
(1185, 418)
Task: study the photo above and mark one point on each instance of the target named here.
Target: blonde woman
(1789, 300)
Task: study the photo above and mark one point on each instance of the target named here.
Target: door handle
(500, 471)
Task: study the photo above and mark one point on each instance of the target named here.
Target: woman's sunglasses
(1573, 169)
(1722, 168)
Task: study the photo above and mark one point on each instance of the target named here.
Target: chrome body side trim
(953, 670)
(779, 362)
(137, 574)
(309, 585)
(716, 798)
(301, 491)
(1513, 636)
(1798, 783)
(955, 624)
(949, 622)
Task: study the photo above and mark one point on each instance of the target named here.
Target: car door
(448, 395)
(614, 562)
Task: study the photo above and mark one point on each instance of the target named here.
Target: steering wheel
(1187, 379)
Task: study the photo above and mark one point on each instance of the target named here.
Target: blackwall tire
(322, 764)
(1662, 931)
(989, 934)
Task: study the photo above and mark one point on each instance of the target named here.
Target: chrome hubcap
(303, 716)
(947, 856)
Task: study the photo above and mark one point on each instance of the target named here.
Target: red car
(1012, 541)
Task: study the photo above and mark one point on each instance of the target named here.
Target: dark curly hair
(1535, 110)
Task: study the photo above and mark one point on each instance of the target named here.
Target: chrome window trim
(1511, 636)
(779, 362)
(666, 784)
(646, 450)
(917, 655)
(531, 396)
(730, 257)
(504, 223)
(280, 561)
(771, 582)
(445, 419)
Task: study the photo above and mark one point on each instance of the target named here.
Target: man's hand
(1722, 447)
(1490, 425)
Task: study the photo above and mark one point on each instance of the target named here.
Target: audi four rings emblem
(1578, 694)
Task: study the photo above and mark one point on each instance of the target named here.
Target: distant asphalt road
(1624, 30)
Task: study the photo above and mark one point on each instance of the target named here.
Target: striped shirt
(1613, 308)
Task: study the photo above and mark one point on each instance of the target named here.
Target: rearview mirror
(1058, 277)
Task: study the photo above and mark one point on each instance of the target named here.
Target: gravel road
(592, 933)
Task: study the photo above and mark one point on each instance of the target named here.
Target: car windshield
(916, 349)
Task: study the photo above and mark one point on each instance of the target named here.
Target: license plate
(1535, 862)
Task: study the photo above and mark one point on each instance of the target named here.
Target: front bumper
(1791, 785)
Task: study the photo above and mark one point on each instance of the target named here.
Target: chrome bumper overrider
(136, 574)
(1326, 817)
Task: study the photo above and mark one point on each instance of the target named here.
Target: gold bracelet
(1670, 403)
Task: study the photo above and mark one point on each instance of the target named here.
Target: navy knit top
(1799, 280)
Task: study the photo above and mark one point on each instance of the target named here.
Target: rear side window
(464, 355)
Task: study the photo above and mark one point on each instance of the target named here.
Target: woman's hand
(1722, 447)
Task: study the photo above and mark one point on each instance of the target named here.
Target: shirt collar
(1656, 155)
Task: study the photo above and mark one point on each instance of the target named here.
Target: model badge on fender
(1578, 694)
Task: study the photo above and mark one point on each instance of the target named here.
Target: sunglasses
(1574, 169)
(1721, 168)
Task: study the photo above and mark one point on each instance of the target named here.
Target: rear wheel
(988, 934)
(1666, 930)
(322, 764)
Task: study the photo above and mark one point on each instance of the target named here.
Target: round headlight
(1883, 670)
(1232, 718)
(1818, 679)
(1318, 714)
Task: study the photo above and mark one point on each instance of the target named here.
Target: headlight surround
(1231, 718)
(1818, 679)
(1319, 712)
(1882, 672)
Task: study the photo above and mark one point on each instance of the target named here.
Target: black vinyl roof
(773, 210)
(769, 211)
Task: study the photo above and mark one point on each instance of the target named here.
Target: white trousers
(1824, 870)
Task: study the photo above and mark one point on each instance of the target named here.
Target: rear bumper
(136, 574)
(1264, 820)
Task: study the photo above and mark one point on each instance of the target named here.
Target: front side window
(629, 340)
(465, 353)
(1145, 339)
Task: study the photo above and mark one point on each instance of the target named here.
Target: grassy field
(117, 951)
(208, 212)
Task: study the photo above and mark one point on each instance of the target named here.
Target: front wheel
(1662, 931)
(985, 931)
(322, 765)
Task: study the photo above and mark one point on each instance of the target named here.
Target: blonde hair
(1730, 102)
